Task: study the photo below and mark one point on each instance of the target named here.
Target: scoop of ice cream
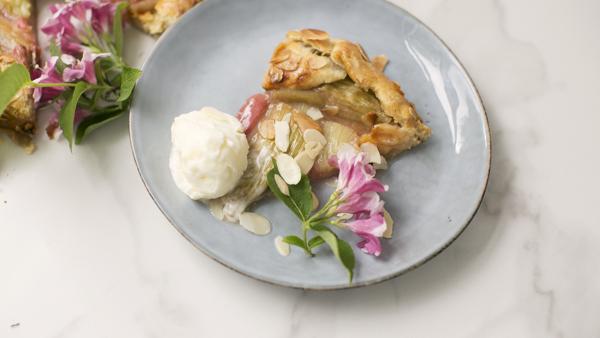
(209, 153)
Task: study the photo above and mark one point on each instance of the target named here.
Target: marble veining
(526, 267)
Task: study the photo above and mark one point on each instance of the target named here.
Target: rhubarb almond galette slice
(320, 93)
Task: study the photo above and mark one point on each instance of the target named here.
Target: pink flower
(80, 24)
(358, 195)
(52, 128)
(48, 74)
(80, 69)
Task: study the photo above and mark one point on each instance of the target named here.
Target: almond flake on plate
(282, 247)
(282, 135)
(281, 185)
(288, 169)
(372, 153)
(389, 223)
(255, 223)
(314, 113)
(381, 166)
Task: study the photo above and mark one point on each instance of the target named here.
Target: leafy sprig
(314, 223)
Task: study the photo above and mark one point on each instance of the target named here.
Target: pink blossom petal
(370, 244)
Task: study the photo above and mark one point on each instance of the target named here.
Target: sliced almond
(275, 74)
(317, 62)
(281, 56)
(305, 161)
(282, 135)
(314, 113)
(381, 166)
(288, 168)
(313, 135)
(329, 109)
(313, 149)
(290, 65)
(282, 247)
(315, 201)
(255, 223)
(281, 185)
(266, 129)
(314, 34)
(389, 223)
(371, 152)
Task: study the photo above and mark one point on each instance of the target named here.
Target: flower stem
(44, 85)
(305, 228)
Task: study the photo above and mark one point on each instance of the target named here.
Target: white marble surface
(85, 253)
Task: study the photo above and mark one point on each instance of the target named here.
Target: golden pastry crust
(155, 16)
(302, 61)
(289, 68)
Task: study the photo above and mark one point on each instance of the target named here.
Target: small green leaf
(67, 113)
(93, 122)
(300, 198)
(129, 76)
(53, 49)
(294, 240)
(118, 28)
(12, 79)
(315, 242)
(342, 250)
(301, 194)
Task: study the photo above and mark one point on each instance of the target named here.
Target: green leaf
(67, 113)
(342, 250)
(129, 76)
(300, 198)
(53, 49)
(294, 240)
(12, 79)
(93, 122)
(301, 194)
(315, 242)
(118, 28)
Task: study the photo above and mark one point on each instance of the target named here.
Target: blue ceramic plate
(216, 55)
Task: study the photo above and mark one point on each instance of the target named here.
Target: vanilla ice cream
(209, 153)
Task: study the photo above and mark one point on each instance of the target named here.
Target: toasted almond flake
(314, 34)
(313, 149)
(288, 168)
(313, 135)
(281, 56)
(381, 166)
(371, 152)
(255, 223)
(266, 129)
(282, 247)
(389, 223)
(281, 185)
(275, 74)
(314, 113)
(282, 135)
(317, 62)
(305, 161)
(289, 65)
(329, 109)
(315, 201)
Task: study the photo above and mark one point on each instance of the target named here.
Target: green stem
(305, 228)
(44, 85)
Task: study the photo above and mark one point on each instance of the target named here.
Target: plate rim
(435, 253)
